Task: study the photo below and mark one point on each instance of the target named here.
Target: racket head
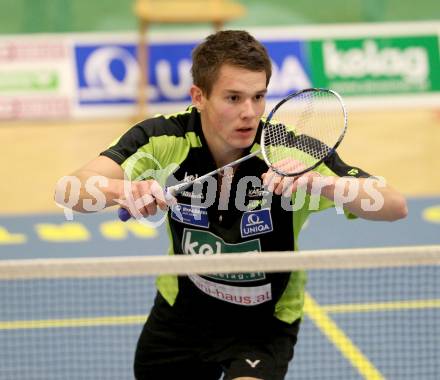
(302, 130)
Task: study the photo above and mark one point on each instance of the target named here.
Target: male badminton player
(242, 326)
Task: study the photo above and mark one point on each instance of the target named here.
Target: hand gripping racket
(300, 132)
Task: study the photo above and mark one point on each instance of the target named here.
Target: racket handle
(123, 214)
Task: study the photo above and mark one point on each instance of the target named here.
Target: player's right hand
(142, 198)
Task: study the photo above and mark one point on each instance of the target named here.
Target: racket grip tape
(123, 214)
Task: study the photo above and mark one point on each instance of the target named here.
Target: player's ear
(197, 97)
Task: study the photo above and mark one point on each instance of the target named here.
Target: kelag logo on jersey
(108, 73)
(197, 242)
(256, 223)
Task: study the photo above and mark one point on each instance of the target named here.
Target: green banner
(375, 66)
(29, 81)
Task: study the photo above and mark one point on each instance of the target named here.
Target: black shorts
(173, 346)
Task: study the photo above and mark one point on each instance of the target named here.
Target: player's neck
(223, 156)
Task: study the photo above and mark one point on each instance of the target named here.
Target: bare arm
(100, 184)
(100, 180)
(369, 198)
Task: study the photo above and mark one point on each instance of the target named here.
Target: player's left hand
(282, 185)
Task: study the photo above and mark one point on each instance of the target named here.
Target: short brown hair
(233, 47)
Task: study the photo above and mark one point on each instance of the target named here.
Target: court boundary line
(138, 319)
(73, 322)
(382, 306)
(340, 340)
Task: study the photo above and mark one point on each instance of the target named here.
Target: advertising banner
(108, 73)
(375, 66)
(36, 78)
(97, 74)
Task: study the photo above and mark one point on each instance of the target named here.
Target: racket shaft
(124, 214)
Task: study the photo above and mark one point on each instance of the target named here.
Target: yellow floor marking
(382, 306)
(341, 341)
(73, 322)
(139, 319)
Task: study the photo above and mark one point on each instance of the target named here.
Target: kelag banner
(373, 66)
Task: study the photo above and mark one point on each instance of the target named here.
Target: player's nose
(248, 109)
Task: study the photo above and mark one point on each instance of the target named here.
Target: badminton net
(369, 313)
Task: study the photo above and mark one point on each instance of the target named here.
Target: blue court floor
(358, 324)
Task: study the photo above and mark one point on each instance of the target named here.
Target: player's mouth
(245, 131)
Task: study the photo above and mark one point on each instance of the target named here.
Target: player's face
(231, 114)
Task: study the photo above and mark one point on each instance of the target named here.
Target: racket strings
(306, 129)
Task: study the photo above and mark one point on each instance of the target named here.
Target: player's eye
(260, 97)
(233, 98)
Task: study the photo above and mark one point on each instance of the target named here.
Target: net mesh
(369, 313)
(304, 130)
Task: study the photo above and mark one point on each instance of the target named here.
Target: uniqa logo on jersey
(256, 222)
